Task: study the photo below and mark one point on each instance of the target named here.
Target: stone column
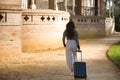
(101, 7)
(82, 10)
(24, 4)
(65, 1)
(33, 6)
(109, 8)
(73, 10)
(113, 5)
(56, 6)
(99, 2)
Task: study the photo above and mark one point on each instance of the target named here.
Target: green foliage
(114, 54)
(117, 15)
(117, 22)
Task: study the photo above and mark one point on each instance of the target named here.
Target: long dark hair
(70, 29)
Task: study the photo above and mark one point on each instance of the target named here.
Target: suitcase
(80, 69)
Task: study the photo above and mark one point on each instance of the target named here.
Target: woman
(72, 44)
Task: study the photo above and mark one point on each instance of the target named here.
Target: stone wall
(109, 26)
(90, 27)
(35, 30)
(43, 29)
(10, 31)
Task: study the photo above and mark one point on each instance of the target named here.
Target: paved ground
(51, 65)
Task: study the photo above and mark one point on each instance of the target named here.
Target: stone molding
(39, 17)
(9, 6)
(10, 17)
(89, 19)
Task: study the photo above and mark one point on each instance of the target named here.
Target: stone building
(34, 25)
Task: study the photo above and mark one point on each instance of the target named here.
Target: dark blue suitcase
(80, 69)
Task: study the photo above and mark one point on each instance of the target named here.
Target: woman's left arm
(63, 39)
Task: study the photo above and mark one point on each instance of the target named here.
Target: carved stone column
(33, 6)
(99, 2)
(56, 6)
(24, 4)
(73, 10)
(65, 1)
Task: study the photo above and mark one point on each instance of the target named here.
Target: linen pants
(71, 56)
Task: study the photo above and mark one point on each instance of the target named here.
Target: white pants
(71, 56)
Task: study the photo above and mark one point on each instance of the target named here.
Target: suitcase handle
(80, 55)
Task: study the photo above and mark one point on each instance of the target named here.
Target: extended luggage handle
(81, 53)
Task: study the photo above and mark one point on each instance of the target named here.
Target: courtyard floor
(51, 64)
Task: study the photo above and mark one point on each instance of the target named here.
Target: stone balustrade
(89, 20)
(43, 29)
(10, 31)
(44, 16)
(90, 26)
(8, 17)
(31, 30)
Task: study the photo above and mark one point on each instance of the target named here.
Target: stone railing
(44, 16)
(90, 26)
(10, 31)
(89, 20)
(7, 17)
(43, 29)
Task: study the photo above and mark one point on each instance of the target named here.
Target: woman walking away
(71, 45)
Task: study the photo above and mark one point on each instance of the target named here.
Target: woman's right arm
(77, 40)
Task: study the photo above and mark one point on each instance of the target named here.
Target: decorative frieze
(42, 17)
(27, 18)
(89, 20)
(8, 17)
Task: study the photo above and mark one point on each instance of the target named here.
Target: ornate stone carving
(2, 17)
(26, 18)
(48, 18)
(42, 18)
(53, 18)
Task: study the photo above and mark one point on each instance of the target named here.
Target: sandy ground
(51, 65)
